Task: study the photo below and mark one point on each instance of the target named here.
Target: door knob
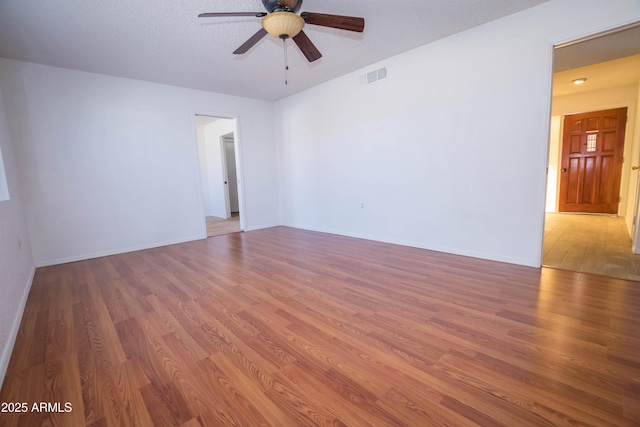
(563, 170)
(635, 168)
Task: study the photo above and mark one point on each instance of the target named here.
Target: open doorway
(581, 240)
(218, 172)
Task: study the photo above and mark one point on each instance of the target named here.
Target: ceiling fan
(282, 21)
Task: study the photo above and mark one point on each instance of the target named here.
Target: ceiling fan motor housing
(283, 24)
(275, 6)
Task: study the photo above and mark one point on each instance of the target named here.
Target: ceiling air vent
(373, 76)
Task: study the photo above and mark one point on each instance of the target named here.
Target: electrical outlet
(362, 205)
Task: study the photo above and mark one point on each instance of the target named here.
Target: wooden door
(592, 150)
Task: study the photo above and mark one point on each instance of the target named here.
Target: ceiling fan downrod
(282, 5)
(286, 59)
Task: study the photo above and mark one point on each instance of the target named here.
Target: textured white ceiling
(602, 48)
(163, 40)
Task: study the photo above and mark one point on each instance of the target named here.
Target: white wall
(16, 263)
(553, 168)
(201, 122)
(450, 152)
(109, 165)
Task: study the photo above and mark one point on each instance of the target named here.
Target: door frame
(633, 134)
(636, 218)
(239, 165)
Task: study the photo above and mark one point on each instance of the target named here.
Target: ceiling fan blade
(219, 14)
(349, 23)
(309, 50)
(251, 42)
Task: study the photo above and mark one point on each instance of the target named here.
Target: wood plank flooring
(285, 327)
(217, 226)
(597, 244)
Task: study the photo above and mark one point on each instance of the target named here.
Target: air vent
(373, 76)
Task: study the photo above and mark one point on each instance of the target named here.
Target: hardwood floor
(286, 327)
(597, 244)
(217, 226)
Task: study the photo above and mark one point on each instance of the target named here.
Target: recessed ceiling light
(579, 81)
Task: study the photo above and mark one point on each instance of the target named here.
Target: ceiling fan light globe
(280, 24)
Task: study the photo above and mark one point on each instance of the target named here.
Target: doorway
(592, 154)
(577, 231)
(218, 159)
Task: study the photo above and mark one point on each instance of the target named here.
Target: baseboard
(15, 327)
(261, 227)
(100, 254)
(420, 245)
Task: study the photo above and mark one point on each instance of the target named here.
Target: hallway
(217, 226)
(597, 244)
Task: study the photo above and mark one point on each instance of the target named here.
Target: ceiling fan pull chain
(286, 61)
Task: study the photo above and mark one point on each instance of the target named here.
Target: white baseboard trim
(420, 245)
(261, 227)
(47, 263)
(15, 327)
